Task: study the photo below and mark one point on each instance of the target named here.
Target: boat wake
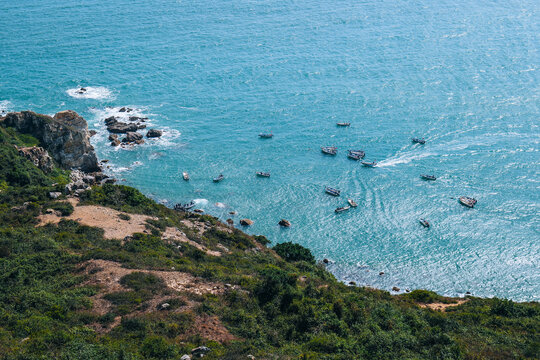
(98, 93)
(403, 159)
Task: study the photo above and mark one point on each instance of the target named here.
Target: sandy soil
(102, 217)
(107, 274)
(173, 234)
(442, 306)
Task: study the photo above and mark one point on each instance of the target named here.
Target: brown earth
(442, 306)
(173, 234)
(210, 327)
(102, 217)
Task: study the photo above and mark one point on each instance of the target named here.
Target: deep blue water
(463, 74)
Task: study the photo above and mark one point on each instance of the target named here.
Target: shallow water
(215, 74)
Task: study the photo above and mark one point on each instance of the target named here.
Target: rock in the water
(325, 261)
(121, 127)
(284, 223)
(132, 137)
(139, 142)
(113, 137)
(381, 273)
(230, 221)
(395, 288)
(200, 351)
(92, 133)
(55, 194)
(152, 133)
(115, 142)
(246, 222)
(123, 109)
(352, 283)
(65, 136)
(110, 120)
(38, 156)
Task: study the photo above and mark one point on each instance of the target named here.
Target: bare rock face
(39, 156)
(65, 136)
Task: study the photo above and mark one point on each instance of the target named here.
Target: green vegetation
(283, 306)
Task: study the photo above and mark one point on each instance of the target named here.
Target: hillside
(99, 271)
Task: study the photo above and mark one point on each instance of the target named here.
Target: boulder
(251, 357)
(325, 261)
(121, 127)
(352, 283)
(185, 357)
(113, 137)
(123, 109)
(110, 120)
(230, 221)
(65, 136)
(136, 118)
(132, 137)
(153, 133)
(246, 222)
(284, 223)
(55, 194)
(200, 351)
(38, 156)
(395, 288)
(164, 306)
(92, 133)
(115, 142)
(381, 273)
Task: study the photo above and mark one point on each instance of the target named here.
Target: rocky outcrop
(132, 137)
(246, 222)
(65, 136)
(153, 133)
(39, 156)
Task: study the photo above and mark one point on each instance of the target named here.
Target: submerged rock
(65, 136)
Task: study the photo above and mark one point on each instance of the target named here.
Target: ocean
(213, 75)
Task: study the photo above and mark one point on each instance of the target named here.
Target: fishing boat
(342, 209)
(184, 207)
(360, 153)
(428, 177)
(266, 135)
(355, 156)
(332, 191)
(467, 201)
(424, 223)
(185, 175)
(330, 150)
(352, 202)
(418, 141)
(369, 164)
(263, 174)
(343, 124)
(219, 178)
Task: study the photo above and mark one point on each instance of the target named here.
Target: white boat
(266, 135)
(185, 175)
(343, 124)
(330, 150)
(424, 223)
(342, 209)
(467, 201)
(352, 202)
(219, 178)
(263, 174)
(332, 191)
(369, 164)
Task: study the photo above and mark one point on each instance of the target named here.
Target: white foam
(220, 205)
(5, 107)
(201, 201)
(98, 92)
(402, 159)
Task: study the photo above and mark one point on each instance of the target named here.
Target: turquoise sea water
(463, 74)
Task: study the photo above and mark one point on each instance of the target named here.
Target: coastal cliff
(111, 274)
(65, 136)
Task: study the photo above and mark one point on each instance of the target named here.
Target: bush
(294, 252)
(140, 281)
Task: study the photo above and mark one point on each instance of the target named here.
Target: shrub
(294, 252)
(140, 281)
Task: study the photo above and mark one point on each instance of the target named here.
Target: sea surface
(213, 74)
